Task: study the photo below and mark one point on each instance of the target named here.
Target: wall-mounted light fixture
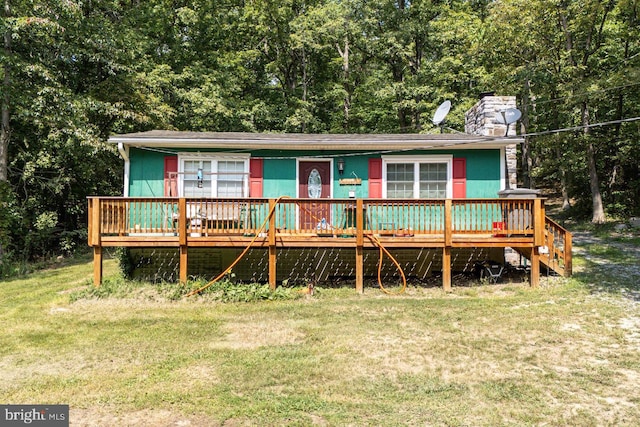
(341, 166)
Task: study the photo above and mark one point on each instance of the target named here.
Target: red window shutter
(256, 177)
(459, 178)
(171, 176)
(375, 178)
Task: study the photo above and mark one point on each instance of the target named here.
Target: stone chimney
(481, 120)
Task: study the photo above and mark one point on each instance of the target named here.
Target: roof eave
(323, 144)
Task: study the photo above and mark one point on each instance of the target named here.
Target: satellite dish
(441, 114)
(512, 115)
(509, 116)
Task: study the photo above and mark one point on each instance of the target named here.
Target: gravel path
(583, 238)
(612, 274)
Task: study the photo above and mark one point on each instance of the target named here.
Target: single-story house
(319, 205)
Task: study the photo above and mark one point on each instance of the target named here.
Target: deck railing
(558, 245)
(272, 223)
(149, 217)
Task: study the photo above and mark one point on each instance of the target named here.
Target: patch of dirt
(100, 417)
(256, 333)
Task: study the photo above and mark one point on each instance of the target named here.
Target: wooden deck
(337, 223)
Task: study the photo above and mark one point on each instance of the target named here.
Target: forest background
(74, 72)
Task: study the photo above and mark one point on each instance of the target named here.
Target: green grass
(567, 353)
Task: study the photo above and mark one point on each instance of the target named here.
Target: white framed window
(213, 175)
(417, 177)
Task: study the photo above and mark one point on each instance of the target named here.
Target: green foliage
(225, 290)
(11, 266)
(111, 287)
(126, 263)
(80, 71)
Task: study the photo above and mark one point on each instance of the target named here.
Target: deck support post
(184, 264)
(273, 259)
(446, 269)
(538, 240)
(95, 239)
(535, 267)
(182, 233)
(568, 261)
(97, 266)
(359, 246)
(446, 250)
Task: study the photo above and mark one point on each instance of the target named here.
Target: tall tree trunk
(5, 125)
(397, 70)
(346, 103)
(594, 182)
(566, 202)
(304, 86)
(564, 178)
(525, 155)
(5, 131)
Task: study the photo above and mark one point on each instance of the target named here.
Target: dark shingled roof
(300, 141)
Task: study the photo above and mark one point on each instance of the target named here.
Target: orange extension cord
(383, 251)
(244, 252)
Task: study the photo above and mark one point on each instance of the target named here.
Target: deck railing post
(538, 222)
(446, 250)
(272, 246)
(182, 239)
(359, 246)
(90, 221)
(96, 216)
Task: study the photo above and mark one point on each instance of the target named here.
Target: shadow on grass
(20, 270)
(467, 279)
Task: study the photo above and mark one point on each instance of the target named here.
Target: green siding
(354, 167)
(279, 178)
(146, 173)
(483, 172)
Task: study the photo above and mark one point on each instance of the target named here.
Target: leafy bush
(10, 266)
(227, 291)
(111, 287)
(125, 261)
(224, 290)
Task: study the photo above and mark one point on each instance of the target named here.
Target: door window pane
(314, 184)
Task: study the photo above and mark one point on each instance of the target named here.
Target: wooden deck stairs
(552, 254)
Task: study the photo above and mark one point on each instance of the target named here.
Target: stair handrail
(564, 251)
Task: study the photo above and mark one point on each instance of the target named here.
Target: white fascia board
(320, 145)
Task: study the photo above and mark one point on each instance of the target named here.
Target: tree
(5, 126)
(564, 59)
